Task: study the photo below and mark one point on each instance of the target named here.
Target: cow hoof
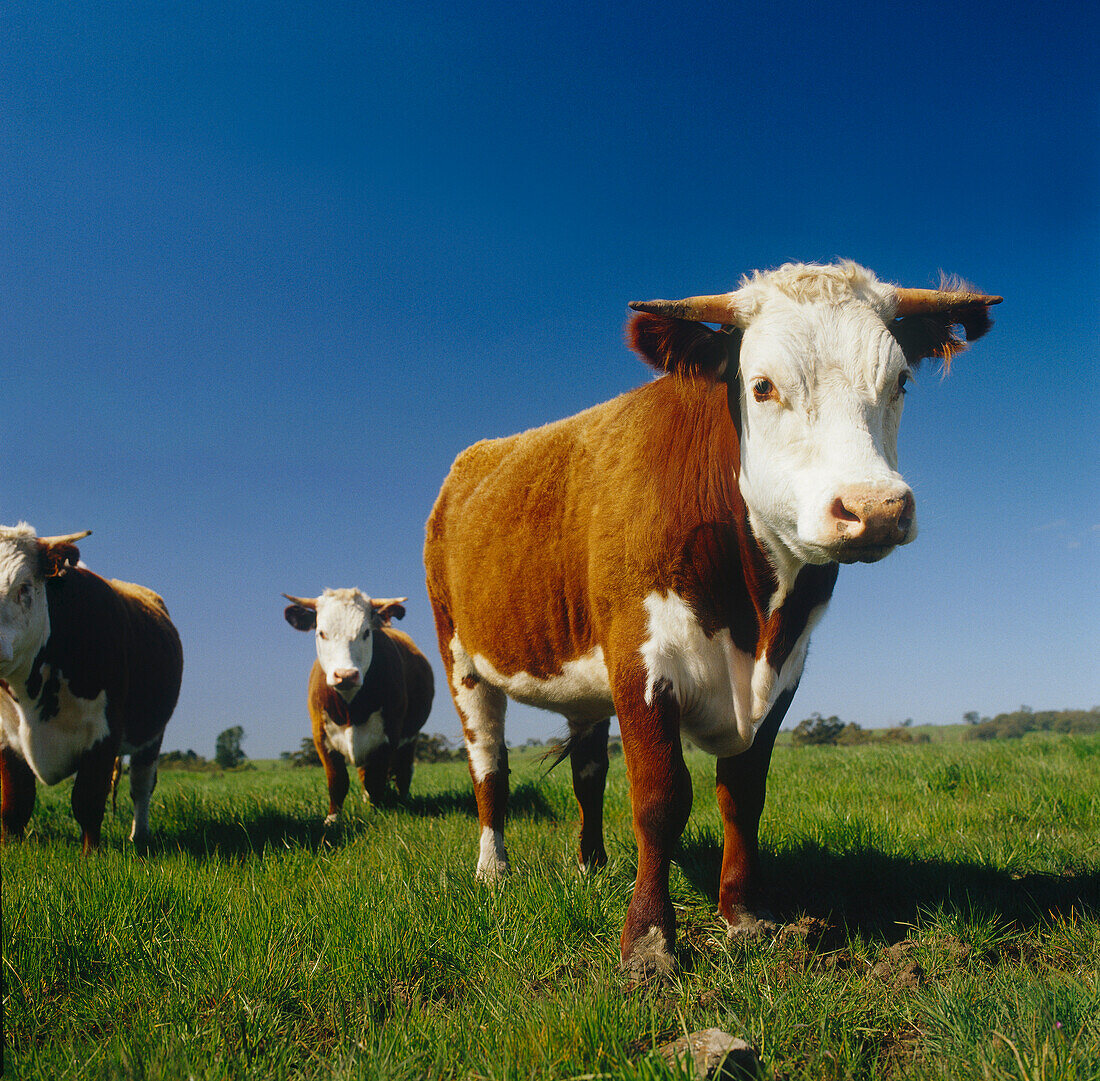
(492, 856)
(650, 957)
(492, 870)
(748, 927)
(330, 820)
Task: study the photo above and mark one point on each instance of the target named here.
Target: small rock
(715, 1055)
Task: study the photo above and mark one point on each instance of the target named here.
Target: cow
(91, 670)
(370, 691)
(665, 555)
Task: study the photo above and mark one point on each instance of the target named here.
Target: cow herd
(662, 557)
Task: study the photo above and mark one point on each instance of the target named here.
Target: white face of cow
(24, 615)
(345, 622)
(345, 639)
(822, 386)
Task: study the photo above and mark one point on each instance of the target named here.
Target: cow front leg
(588, 760)
(16, 794)
(741, 784)
(336, 778)
(143, 780)
(660, 797)
(91, 789)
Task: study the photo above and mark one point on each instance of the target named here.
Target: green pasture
(940, 903)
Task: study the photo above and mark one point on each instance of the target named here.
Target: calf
(370, 691)
(664, 556)
(91, 670)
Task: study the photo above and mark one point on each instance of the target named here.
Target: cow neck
(72, 602)
(725, 571)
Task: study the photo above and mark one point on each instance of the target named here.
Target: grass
(941, 905)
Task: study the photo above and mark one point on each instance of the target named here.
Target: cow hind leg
(481, 709)
(16, 794)
(143, 780)
(402, 768)
(374, 773)
(588, 760)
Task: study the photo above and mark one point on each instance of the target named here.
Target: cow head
(26, 562)
(345, 621)
(816, 359)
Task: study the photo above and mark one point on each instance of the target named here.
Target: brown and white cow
(370, 691)
(91, 670)
(664, 556)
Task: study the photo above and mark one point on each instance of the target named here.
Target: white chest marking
(724, 693)
(355, 741)
(53, 748)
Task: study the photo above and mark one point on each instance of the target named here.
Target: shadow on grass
(878, 895)
(270, 828)
(526, 800)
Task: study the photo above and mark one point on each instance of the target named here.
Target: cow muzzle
(869, 522)
(345, 679)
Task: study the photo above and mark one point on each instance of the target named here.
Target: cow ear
(386, 610)
(302, 614)
(56, 557)
(681, 346)
(934, 333)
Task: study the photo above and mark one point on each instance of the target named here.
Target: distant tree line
(818, 731)
(228, 754)
(188, 760)
(1067, 722)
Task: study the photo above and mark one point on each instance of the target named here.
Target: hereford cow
(665, 556)
(91, 670)
(370, 691)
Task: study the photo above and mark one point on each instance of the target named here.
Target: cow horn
(304, 602)
(70, 538)
(928, 301)
(721, 308)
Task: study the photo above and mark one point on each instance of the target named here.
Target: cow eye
(763, 390)
(902, 380)
(366, 633)
(321, 634)
(26, 594)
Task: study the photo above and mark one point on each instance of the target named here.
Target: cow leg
(143, 780)
(116, 776)
(16, 794)
(336, 776)
(481, 710)
(660, 797)
(482, 714)
(374, 773)
(402, 766)
(742, 782)
(91, 789)
(588, 760)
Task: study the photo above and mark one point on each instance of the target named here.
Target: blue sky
(268, 267)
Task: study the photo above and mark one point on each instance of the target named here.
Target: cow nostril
(841, 513)
(905, 515)
(848, 523)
